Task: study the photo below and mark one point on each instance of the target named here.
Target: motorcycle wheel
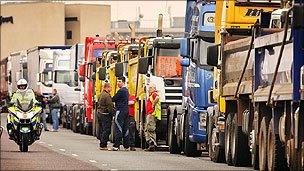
(23, 147)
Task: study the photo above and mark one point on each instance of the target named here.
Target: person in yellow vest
(23, 94)
(153, 113)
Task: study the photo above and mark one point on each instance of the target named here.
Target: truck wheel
(263, 145)
(240, 151)
(173, 146)
(190, 148)
(255, 153)
(302, 156)
(73, 120)
(275, 149)
(228, 130)
(215, 152)
(64, 118)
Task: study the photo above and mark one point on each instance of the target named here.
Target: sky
(129, 10)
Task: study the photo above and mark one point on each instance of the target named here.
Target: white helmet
(22, 85)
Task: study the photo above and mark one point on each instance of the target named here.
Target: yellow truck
(234, 21)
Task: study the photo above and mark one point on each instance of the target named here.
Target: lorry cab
(277, 18)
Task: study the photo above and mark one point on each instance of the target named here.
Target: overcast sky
(130, 10)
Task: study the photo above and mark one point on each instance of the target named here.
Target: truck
(64, 74)
(278, 92)
(261, 97)
(159, 63)
(188, 127)
(230, 119)
(17, 69)
(77, 57)
(40, 68)
(93, 49)
(3, 79)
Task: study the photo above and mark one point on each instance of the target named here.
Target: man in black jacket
(121, 99)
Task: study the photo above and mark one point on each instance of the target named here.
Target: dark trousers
(122, 128)
(105, 122)
(132, 131)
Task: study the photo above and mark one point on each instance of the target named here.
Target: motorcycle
(23, 123)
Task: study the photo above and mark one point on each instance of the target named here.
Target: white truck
(65, 80)
(77, 57)
(16, 69)
(40, 69)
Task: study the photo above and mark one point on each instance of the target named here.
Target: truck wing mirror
(212, 55)
(119, 68)
(185, 62)
(94, 67)
(143, 65)
(115, 56)
(93, 76)
(102, 73)
(184, 48)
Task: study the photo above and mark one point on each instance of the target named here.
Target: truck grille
(173, 95)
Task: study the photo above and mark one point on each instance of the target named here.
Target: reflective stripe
(116, 121)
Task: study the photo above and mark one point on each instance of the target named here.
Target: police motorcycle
(23, 123)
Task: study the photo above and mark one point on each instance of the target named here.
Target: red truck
(94, 47)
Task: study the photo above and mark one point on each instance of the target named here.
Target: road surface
(65, 150)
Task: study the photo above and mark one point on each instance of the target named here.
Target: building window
(69, 34)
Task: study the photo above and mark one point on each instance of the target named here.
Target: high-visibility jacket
(24, 97)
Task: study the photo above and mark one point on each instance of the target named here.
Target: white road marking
(75, 155)
(114, 169)
(61, 149)
(93, 161)
(41, 142)
(50, 145)
(104, 164)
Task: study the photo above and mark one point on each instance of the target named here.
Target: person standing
(40, 98)
(55, 107)
(105, 111)
(153, 112)
(121, 99)
(132, 125)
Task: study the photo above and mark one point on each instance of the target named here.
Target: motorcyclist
(23, 94)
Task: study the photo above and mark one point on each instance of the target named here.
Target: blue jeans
(55, 119)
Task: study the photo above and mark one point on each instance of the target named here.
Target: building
(31, 24)
(83, 20)
(27, 24)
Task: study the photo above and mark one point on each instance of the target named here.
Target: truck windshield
(65, 77)
(168, 63)
(97, 53)
(47, 78)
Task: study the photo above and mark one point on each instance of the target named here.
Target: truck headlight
(202, 120)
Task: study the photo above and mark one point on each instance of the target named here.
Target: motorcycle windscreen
(25, 105)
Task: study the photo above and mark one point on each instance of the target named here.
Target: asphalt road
(65, 150)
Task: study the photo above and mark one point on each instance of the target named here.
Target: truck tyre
(302, 156)
(190, 148)
(73, 120)
(173, 146)
(240, 151)
(275, 149)
(263, 145)
(228, 130)
(215, 152)
(82, 121)
(255, 155)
